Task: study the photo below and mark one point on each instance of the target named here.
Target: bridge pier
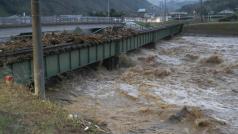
(111, 63)
(151, 45)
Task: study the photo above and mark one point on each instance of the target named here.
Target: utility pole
(161, 10)
(201, 10)
(38, 63)
(108, 11)
(165, 10)
(108, 8)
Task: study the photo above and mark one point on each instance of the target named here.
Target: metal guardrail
(206, 18)
(54, 20)
(74, 56)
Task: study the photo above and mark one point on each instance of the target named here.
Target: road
(6, 33)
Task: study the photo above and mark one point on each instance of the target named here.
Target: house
(226, 12)
(141, 12)
(178, 14)
(149, 15)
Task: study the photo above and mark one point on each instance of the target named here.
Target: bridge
(67, 57)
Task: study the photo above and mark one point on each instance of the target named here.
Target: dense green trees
(113, 13)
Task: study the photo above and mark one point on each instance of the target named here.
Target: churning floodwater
(196, 72)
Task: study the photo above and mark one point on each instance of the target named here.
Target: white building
(226, 12)
(177, 14)
(141, 10)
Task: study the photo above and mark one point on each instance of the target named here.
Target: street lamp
(38, 63)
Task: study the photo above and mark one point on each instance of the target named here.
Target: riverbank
(212, 29)
(21, 112)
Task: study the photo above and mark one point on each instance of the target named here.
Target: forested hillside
(173, 5)
(212, 5)
(59, 7)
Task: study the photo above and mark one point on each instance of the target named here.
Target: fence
(54, 20)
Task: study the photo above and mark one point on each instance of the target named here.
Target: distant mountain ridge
(64, 7)
(173, 5)
(212, 5)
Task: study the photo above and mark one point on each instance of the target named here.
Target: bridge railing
(8, 21)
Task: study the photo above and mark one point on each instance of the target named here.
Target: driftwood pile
(56, 38)
(112, 33)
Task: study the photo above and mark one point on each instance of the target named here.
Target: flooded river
(187, 85)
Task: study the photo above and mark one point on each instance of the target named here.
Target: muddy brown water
(148, 97)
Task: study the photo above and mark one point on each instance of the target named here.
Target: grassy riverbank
(21, 112)
(215, 28)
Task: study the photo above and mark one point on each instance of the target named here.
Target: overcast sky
(157, 1)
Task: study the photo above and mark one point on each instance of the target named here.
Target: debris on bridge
(56, 38)
(112, 33)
